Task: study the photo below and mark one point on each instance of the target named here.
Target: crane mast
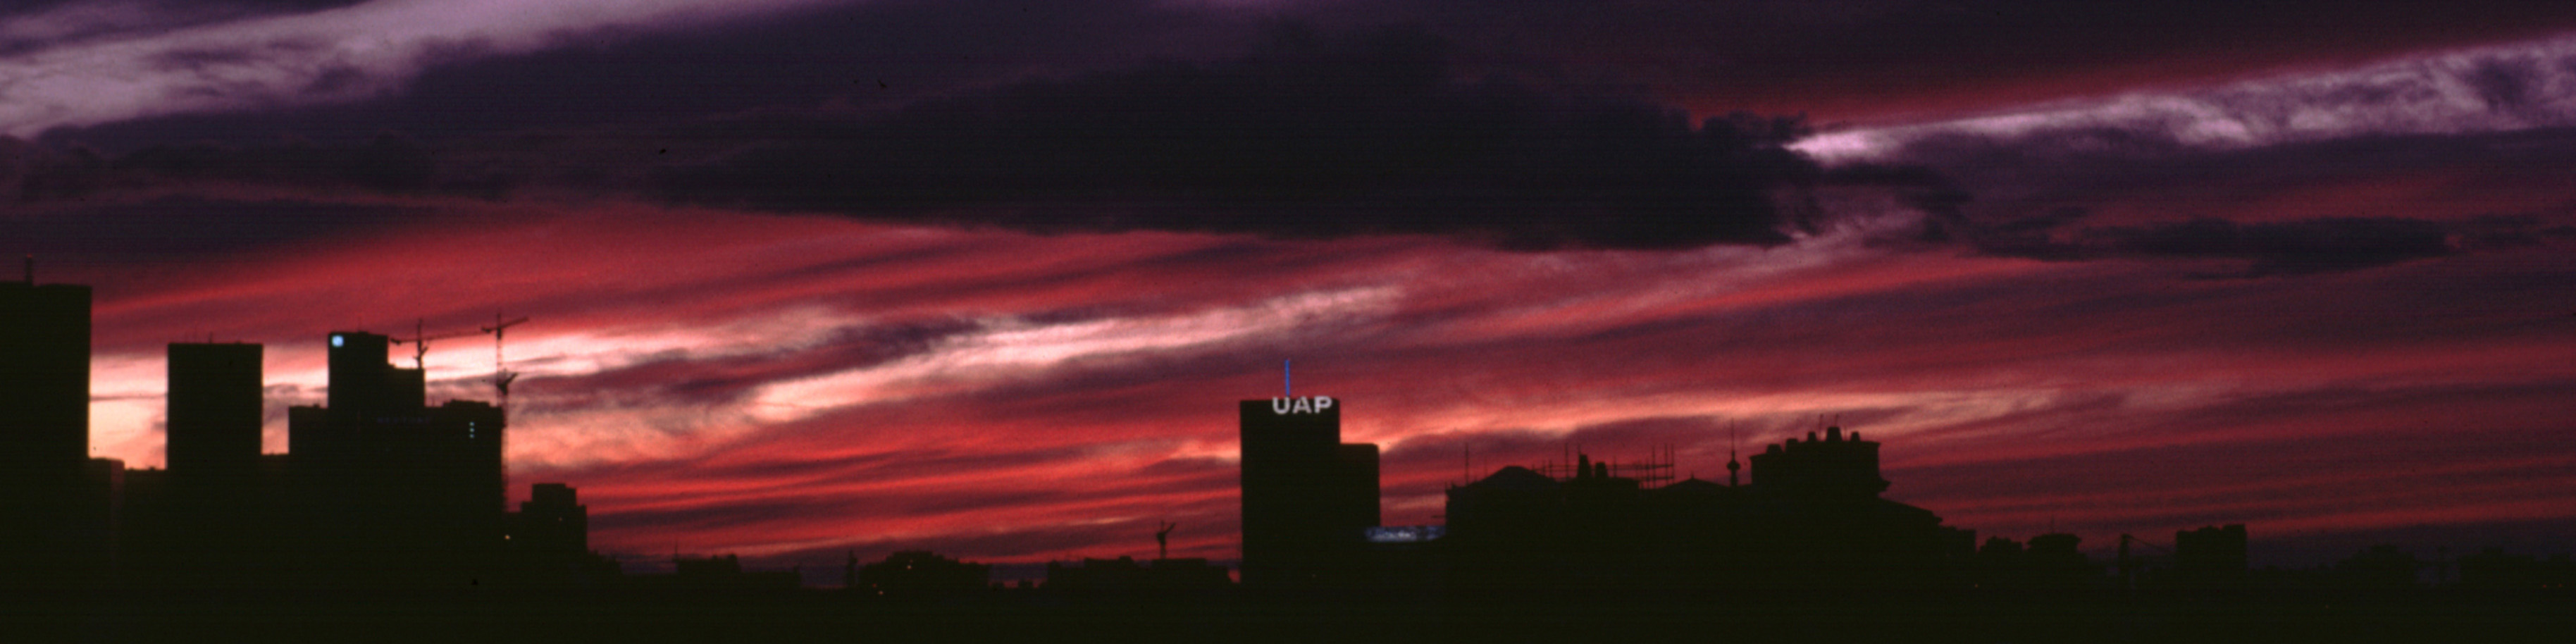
(501, 377)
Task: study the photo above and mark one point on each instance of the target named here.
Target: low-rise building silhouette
(1811, 516)
(548, 542)
(2210, 557)
(716, 572)
(913, 572)
(551, 522)
(2494, 569)
(1125, 574)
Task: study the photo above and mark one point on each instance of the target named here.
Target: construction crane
(501, 377)
(420, 342)
(1163, 540)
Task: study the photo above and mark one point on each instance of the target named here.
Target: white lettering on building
(1301, 405)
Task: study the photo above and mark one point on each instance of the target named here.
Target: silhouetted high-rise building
(44, 370)
(361, 395)
(1308, 499)
(386, 480)
(214, 411)
(207, 519)
(53, 512)
(358, 378)
(456, 475)
(377, 415)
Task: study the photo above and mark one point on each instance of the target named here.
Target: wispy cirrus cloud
(2405, 159)
(118, 69)
(2482, 89)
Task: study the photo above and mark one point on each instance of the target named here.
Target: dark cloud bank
(1315, 136)
(1310, 136)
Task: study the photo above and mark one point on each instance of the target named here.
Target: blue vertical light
(1287, 383)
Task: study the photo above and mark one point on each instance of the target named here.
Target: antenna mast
(1731, 465)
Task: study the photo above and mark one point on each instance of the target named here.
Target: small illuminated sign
(338, 341)
(1301, 405)
(1406, 533)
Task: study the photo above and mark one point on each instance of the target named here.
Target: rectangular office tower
(54, 513)
(1308, 499)
(370, 404)
(44, 379)
(214, 411)
(362, 385)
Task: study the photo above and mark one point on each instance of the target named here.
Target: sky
(812, 278)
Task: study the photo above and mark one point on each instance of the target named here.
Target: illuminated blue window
(336, 341)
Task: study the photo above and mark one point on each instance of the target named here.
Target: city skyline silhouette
(808, 285)
(383, 497)
(468, 378)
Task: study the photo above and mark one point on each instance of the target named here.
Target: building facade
(1308, 498)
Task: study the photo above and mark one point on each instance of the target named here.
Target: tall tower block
(1307, 498)
(44, 378)
(214, 410)
(361, 379)
(54, 501)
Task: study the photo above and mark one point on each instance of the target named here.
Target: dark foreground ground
(685, 615)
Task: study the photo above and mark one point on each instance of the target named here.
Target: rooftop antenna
(1731, 465)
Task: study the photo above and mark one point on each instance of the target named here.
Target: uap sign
(1301, 405)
